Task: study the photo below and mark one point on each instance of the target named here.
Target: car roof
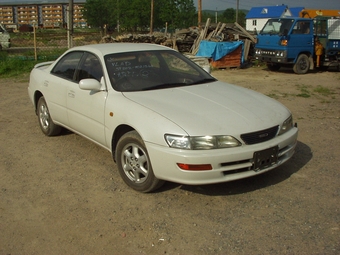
(110, 48)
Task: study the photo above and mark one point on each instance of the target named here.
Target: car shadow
(302, 156)
(65, 132)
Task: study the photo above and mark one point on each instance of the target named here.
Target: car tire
(134, 163)
(273, 67)
(302, 64)
(46, 123)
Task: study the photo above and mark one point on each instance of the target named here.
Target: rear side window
(67, 65)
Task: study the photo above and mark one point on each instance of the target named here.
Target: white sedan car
(161, 116)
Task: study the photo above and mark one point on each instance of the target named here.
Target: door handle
(71, 94)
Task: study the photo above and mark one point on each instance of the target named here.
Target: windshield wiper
(179, 84)
(167, 85)
(206, 80)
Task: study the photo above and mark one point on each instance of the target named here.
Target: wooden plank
(245, 32)
(246, 48)
(195, 46)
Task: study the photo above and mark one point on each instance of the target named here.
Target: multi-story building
(47, 14)
(52, 15)
(26, 14)
(6, 14)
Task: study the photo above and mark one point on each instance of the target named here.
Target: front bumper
(272, 59)
(272, 56)
(228, 164)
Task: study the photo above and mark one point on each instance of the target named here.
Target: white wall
(259, 24)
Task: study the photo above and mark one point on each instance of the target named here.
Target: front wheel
(134, 164)
(302, 64)
(46, 123)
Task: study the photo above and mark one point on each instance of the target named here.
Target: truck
(5, 38)
(301, 43)
(310, 13)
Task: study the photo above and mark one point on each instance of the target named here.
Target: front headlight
(287, 125)
(201, 142)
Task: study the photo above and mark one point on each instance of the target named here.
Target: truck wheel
(273, 67)
(302, 64)
(134, 165)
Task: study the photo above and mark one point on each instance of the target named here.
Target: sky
(221, 5)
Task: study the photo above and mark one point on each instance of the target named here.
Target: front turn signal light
(284, 42)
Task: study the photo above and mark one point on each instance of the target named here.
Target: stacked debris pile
(188, 40)
(157, 38)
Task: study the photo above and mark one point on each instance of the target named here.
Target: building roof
(268, 12)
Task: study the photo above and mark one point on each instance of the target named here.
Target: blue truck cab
(300, 43)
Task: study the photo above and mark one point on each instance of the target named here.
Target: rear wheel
(302, 64)
(46, 123)
(273, 67)
(134, 164)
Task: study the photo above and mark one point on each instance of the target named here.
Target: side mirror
(90, 84)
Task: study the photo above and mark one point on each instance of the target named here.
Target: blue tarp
(217, 50)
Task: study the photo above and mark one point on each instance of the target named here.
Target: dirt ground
(63, 195)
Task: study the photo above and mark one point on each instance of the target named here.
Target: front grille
(268, 52)
(260, 136)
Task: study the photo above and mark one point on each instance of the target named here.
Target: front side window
(277, 26)
(67, 65)
(148, 70)
(90, 68)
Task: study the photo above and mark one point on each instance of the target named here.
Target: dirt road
(63, 195)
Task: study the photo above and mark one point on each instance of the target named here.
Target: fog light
(188, 167)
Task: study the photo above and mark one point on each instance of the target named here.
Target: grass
(304, 91)
(15, 65)
(10, 67)
(323, 91)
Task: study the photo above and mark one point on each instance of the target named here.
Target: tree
(229, 16)
(186, 15)
(100, 13)
(177, 13)
(134, 15)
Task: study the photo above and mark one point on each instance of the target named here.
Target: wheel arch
(37, 95)
(307, 53)
(118, 133)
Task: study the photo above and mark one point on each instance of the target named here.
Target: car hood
(215, 108)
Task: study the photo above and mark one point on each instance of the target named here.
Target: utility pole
(216, 16)
(70, 24)
(199, 12)
(237, 5)
(151, 19)
(118, 25)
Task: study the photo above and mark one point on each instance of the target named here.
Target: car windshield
(277, 26)
(149, 70)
